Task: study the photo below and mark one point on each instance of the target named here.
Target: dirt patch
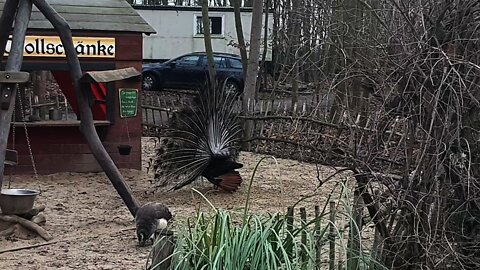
(94, 229)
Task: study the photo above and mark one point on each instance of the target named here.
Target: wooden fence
(279, 127)
(157, 109)
(300, 131)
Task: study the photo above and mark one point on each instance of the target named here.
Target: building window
(216, 23)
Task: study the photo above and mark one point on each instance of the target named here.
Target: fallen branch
(29, 246)
(27, 224)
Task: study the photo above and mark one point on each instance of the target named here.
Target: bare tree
(208, 43)
(253, 58)
(254, 55)
(241, 39)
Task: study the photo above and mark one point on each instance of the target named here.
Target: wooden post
(289, 240)
(318, 253)
(6, 22)
(353, 250)
(303, 256)
(162, 251)
(331, 237)
(14, 62)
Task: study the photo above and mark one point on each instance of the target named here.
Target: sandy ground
(94, 230)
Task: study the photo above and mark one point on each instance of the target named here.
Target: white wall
(175, 33)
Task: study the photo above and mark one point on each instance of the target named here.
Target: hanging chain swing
(13, 148)
(26, 138)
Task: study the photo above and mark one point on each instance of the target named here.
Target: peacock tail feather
(206, 130)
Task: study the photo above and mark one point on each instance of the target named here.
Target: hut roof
(92, 15)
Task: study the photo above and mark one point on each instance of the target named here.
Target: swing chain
(28, 139)
(13, 145)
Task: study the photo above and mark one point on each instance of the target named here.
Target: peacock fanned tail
(203, 139)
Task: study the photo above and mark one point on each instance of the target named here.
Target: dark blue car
(190, 71)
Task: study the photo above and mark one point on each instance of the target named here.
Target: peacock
(202, 140)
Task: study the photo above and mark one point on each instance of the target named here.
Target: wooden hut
(107, 35)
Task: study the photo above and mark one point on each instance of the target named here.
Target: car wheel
(231, 88)
(149, 82)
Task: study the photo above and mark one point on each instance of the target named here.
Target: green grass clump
(216, 243)
(262, 242)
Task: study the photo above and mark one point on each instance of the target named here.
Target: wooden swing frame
(20, 11)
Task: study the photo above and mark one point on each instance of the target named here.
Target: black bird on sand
(149, 218)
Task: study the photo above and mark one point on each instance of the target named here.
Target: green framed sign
(128, 102)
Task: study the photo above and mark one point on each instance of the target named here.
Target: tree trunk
(208, 43)
(252, 69)
(295, 48)
(240, 37)
(255, 40)
(265, 47)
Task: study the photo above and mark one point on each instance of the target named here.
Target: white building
(178, 31)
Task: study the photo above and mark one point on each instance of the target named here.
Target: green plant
(260, 242)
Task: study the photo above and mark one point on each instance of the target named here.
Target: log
(9, 231)
(27, 224)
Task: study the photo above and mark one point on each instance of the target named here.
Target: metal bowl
(17, 201)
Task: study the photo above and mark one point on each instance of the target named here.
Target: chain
(28, 140)
(13, 145)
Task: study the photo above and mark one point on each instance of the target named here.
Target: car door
(199, 74)
(220, 68)
(180, 72)
(235, 69)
